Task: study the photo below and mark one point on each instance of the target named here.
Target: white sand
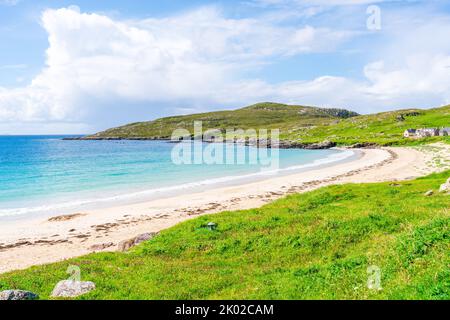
(40, 241)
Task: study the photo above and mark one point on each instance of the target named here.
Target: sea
(47, 174)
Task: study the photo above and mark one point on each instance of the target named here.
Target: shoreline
(132, 196)
(78, 233)
(281, 144)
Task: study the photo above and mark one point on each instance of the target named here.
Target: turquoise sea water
(46, 173)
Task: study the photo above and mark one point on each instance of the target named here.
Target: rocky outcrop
(321, 145)
(364, 145)
(286, 144)
(282, 144)
(18, 295)
(126, 245)
(445, 187)
(100, 138)
(72, 289)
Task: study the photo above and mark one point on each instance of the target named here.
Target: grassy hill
(300, 124)
(262, 115)
(383, 128)
(316, 245)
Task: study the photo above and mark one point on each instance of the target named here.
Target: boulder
(144, 237)
(125, 245)
(101, 246)
(445, 187)
(128, 244)
(429, 193)
(71, 288)
(18, 295)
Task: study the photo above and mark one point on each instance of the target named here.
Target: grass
(383, 128)
(299, 123)
(262, 115)
(316, 245)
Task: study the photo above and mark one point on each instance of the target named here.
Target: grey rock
(101, 246)
(286, 144)
(429, 193)
(128, 244)
(71, 288)
(18, 295)
(144, 237)
(445, 187)
(322, 145)
(125, 245)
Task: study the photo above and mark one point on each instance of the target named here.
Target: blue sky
(83, 66)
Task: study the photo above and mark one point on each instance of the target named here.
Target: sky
(78, 67)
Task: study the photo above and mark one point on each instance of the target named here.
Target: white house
(427, 132)
(409, 133)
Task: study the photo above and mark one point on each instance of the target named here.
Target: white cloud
(423, 82)
(98, 67)
(92, 57)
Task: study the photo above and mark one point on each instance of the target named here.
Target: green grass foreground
(316, 245)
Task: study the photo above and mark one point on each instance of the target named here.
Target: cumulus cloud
(92, 57)
(98, 67)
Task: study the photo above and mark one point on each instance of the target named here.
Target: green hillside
(383, 128)
(316, 245)
(298, 123)
(263, 115)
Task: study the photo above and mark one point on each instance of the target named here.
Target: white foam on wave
(337, 157)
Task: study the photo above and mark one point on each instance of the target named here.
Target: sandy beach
(24, 243)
